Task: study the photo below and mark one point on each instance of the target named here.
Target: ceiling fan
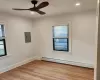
(36, 8)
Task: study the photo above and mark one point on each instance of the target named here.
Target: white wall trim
(7, 68)
(46, 59)
(69, 62)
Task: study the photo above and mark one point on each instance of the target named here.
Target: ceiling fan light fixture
(32, 12)
(78, 4)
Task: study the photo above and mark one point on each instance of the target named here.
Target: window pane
(61, 44)
(2, 42)
(60, 31)
(1, 31)
(2, 51)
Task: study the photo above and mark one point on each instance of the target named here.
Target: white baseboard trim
(68, 62)
(17, 65)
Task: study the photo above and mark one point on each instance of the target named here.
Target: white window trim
(70, 36)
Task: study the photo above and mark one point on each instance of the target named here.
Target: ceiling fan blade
(41, 12)
(42, 5)
(20, 9)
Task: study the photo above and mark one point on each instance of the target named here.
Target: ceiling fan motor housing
(34, 2)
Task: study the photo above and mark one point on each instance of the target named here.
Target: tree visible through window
(61, 38)
(2, 42)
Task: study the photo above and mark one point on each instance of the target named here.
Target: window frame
(61, 38)
(4, 41)
(4, 47)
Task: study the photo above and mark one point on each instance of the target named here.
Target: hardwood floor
(42, 70)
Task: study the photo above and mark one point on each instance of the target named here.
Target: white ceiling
(55, 7)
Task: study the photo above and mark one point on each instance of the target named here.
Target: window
(61, 38)
(2, 42)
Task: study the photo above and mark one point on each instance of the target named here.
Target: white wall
(83, 26)
(17, 50)
(83, 38)
(97, 60)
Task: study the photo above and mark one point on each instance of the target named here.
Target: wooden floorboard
(42, 70)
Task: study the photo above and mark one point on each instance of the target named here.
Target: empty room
(49, 40)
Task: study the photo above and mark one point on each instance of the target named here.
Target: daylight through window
(2, 42)
(61, 38)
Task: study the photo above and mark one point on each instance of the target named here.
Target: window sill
(61, 50)
(2, 57)
(65, 52)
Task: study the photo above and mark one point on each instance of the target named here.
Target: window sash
(61, 37)
(67, 36)
(4, 44)
(66, 43)
(2, 38)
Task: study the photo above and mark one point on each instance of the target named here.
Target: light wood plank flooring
(42, 70)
